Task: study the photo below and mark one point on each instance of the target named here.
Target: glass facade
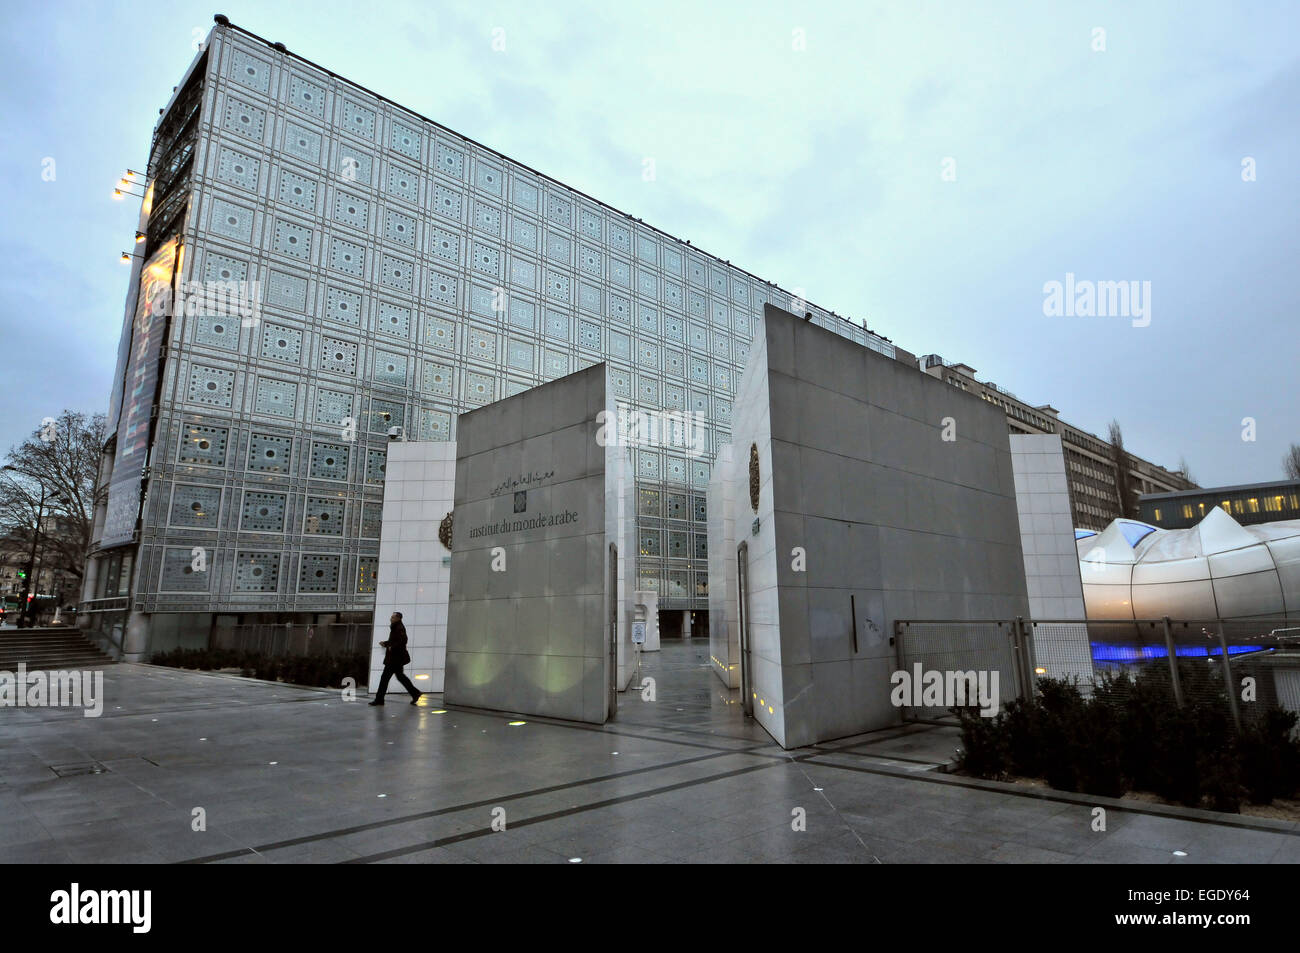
(402, 275)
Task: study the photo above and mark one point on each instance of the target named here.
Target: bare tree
(1185, 469)
(1291, 462)
(59, 464)
(1127, 505)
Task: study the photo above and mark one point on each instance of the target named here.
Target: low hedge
(325, 671)
(1129, 735)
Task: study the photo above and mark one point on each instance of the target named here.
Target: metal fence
(1243, 667)
(949, 645)
(342, 638)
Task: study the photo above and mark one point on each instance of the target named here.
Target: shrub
(985, 750)
(1270, 757)
(1130, 733)
(1024, 725)
(1098, 746)
(1220, 779)
(1172, 772)
(1061, 709)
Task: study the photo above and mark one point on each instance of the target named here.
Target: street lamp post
(25, 609)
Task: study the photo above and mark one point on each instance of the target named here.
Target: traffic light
(22, 574)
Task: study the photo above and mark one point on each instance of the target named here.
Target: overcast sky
(807, 143)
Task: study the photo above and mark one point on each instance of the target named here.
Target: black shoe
(416, 700)
(374, 703)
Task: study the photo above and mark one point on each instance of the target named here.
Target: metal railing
(1243, 667)
(341, 638)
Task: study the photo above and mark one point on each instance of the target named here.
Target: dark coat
(396, 653)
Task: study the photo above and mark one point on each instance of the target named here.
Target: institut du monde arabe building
(375, 273)
(318, 271)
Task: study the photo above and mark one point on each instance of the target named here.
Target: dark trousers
(389, 671)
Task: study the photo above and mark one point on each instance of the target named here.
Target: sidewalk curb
(1173, 811)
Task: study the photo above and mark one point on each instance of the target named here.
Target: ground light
(513, 723)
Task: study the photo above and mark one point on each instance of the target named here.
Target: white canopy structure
(1216, 569)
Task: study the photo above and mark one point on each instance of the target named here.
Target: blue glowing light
(1130, 652)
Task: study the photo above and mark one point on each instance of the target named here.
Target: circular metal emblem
(444, 531)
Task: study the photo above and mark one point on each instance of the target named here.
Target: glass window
(124, 576)
(1135, 532)
(108, 581)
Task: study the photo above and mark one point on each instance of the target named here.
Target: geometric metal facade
(406, 275)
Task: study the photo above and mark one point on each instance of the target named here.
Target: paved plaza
(285, 774)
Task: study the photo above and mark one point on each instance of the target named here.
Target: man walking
(395, 656)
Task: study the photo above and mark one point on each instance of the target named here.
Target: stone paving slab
(294, 775)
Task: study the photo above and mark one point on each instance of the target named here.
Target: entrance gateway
(539, 603)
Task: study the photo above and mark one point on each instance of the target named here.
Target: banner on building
(139, 386)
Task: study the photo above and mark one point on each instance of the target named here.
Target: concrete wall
(724, 647)
(890, 517)
(620, 529)
(1046, 529)
(751, 427)
(176, 630)
(533, 638)
(414, 569)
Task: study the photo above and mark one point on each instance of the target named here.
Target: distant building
(1247, 504)
(1089, 460)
